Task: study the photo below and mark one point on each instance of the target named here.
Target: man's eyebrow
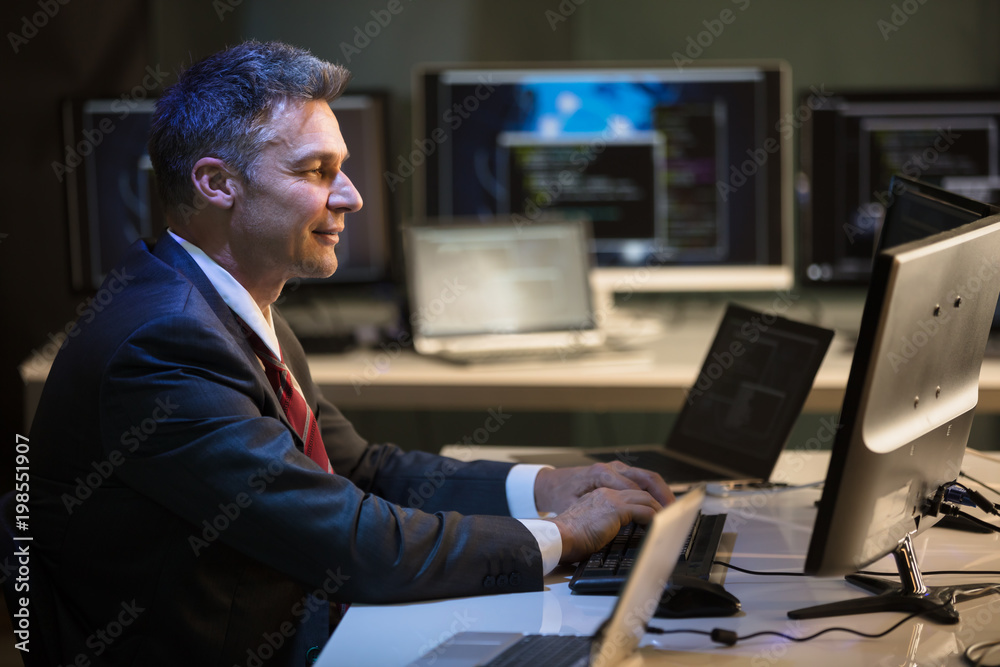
(322, 157)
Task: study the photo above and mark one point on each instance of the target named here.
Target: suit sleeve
(209, 450)
(411, 478)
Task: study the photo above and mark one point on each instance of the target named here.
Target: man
(183, 503)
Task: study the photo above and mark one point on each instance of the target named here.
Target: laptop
(617, 638)
(740, 410)
(492, 291)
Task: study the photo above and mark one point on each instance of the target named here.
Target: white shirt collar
(235, 295)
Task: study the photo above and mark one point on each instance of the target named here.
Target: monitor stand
(909, 595)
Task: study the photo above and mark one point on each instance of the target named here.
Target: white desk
(653, 378)
(764, 532)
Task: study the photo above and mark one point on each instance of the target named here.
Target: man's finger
(648, 481)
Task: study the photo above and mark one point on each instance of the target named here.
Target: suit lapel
(170, 252)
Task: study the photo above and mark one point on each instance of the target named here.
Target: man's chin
(318, 269)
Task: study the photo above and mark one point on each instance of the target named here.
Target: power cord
(874, 574)
(960, 494)
(984, 649)
(729, 637)
(982, 484)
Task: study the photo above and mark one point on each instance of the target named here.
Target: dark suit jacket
(176, 520)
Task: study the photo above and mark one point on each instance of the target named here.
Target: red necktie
(299, 415)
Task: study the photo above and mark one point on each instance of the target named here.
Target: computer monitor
(854, 142)
(113, 201)
(683, 172)
(365, 249)
(907, 412)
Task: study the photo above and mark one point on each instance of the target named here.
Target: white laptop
(618, 637)
(501, 289)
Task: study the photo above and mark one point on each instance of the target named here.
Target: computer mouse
(691, 597)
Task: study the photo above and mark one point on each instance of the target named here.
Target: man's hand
(558, 488)
(591, 522)
(592, 502)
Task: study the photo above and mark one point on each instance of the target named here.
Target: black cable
(728, 637)
(876, 574)
(762, 574)
(982, 484)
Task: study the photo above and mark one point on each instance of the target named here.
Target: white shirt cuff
(521, 502)
(521, 490)
(549, 541)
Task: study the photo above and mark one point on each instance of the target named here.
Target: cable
(958, 493)
(986, 648)
(876, 574)
(982, 484)
(761, 574)
(729, 637)
(979, 522)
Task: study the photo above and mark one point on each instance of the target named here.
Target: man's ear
(214, 182)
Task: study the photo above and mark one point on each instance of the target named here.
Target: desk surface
(763, 532)
(654, 377)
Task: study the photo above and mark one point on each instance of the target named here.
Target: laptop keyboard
(606, 570)
(548, 650)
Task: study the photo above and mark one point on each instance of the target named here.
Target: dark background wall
(103, 48)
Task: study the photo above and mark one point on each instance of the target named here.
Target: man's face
(289, 222)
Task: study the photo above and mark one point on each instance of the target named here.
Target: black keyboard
(548, 650)
(606, 570)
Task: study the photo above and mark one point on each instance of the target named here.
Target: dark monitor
(113, 201)
(683, 172)
(907, 412)
(364, 251)
(853, 144)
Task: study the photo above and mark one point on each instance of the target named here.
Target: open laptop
(483, 291)
(740, 410)
(619, 635)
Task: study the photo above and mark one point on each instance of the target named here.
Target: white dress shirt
(520, 483)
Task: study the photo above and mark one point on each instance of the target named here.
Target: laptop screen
(499, 278)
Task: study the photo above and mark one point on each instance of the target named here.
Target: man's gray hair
(221, 107)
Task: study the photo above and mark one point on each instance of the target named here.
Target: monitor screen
(498, 278)
(113, 200)
(908, 407)
(364, 251)
(855, 142)
(684, 173)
